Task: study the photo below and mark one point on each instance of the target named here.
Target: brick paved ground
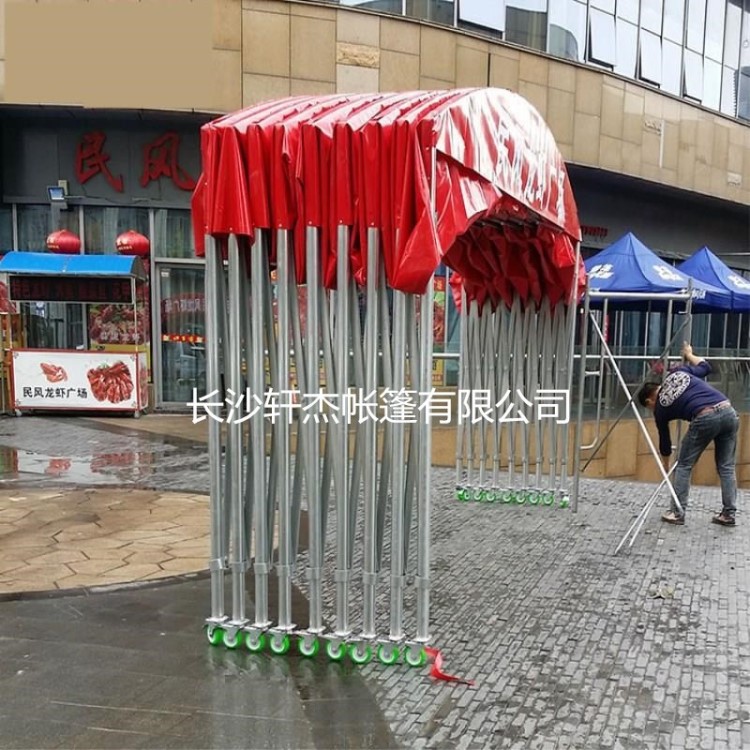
(570, 646)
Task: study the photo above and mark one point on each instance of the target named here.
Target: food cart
(65, 303)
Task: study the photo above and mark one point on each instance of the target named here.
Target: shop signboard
(70, 289)
(59, 379)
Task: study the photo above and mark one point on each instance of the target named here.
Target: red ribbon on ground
(434, 655)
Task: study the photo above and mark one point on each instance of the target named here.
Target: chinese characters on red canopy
(161, 158)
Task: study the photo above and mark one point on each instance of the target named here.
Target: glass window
(6, 228)
(602, 47)
(651, 13)
(567, 29)
(650, 57)
(104, 225)
(384, 6)
(674, 20)
(628, 9)
(34, 224)
(729, 91)
(606, 5)
(182, 312)
(693, 75)
(526, 23)
(711, 84)
(490, 15)
(173, 234)
(732, 34)
(715, 29)
(696, 24)
(627, 48)
(743, 94)
(745, 38)
(439, 11)
(671, 68)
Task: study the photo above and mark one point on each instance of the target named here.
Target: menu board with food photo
(50, 378)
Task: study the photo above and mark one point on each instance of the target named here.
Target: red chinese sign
(161, 158)
(91, 160)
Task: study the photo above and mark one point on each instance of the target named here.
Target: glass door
(181, 323)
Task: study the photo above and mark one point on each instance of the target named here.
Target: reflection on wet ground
(127, 669)
(93, 454)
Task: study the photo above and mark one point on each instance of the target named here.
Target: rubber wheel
(535, 498)
(507, 497)
(233, 641)
(308, 650)
(417, 660)
(280, 646)
(255, 646)
(520, 498)
(564, 501)
(360, 657)
(335, 651)
(215, 635)
(549, 498)
(387, 654)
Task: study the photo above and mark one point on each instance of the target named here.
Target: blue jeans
(721, 427)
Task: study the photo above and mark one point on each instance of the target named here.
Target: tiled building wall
(245, 51)
(597, 119)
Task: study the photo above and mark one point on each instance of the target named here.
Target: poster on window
(55, 379)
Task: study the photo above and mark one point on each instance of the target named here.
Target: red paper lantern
(64, 241)
(133, 243)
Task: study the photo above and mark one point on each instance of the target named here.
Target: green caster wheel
(387, 654)
(416, 658)
(280, 644)
(335, 650)
(233, 641)
(484, 496)
(508, 497)
(549, 498)
(308, 648)
(535, 498)
(564, 501)
(255, 643)
(462, 495)
(360, 653)
(520, 498)
(215, 635)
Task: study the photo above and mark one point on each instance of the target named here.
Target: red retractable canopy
(469, 177)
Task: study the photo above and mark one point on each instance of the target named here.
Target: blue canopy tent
(636, 278)
(707, 267)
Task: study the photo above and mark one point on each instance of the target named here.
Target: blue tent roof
(628, 265)
(706, 266)
(52, 264)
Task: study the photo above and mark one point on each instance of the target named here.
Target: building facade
(649, 102)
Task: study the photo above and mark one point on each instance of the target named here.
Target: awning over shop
(504, 218)
(707, 267)
(628, 267)
(52, 264)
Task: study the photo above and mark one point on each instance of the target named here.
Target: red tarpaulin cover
(504, 216)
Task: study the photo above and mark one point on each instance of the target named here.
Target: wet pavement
(128, 670)
(570, 646)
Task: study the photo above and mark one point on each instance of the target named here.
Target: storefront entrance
(180, 320)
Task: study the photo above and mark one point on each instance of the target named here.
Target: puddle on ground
(101, 468)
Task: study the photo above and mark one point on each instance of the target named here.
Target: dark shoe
(724, 519)
(671, 517)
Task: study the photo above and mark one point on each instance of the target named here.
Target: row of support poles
(514, 393)
(314, 388)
